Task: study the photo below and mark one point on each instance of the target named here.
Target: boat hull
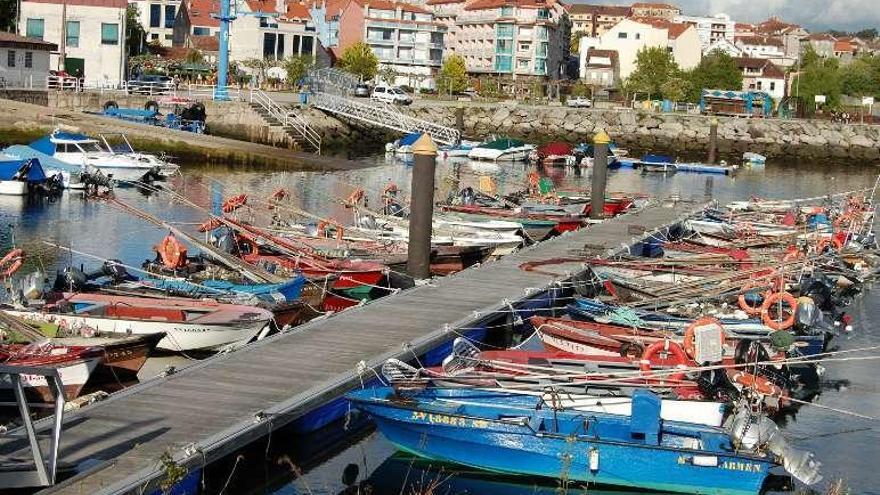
(514, 448)
(74, 376)
(13, 188)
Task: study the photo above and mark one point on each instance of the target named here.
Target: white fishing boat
(458, 150)
(188, 324)
(93, 155)
(504, 149)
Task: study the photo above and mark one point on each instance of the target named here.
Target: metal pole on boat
(418, 262)
(713, 141)
(600, 175)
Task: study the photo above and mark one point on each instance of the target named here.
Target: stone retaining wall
(807, 139)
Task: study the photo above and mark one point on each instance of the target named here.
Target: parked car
(580, 102)
(390, 94)
(361, 90)
(151, 84)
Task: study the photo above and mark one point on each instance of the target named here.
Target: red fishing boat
(75, 365)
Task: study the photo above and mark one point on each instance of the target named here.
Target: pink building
(403, 36)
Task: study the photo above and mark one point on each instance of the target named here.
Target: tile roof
(494, 4)
(199, 12)
(768, 68)
(760, 41)
(113, 4)
(296, 10)
(673, 29)
(650, 5)
(12, 39)
(205, 43)
(387, 5)
(611, 10)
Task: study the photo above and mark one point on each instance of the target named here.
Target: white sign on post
(820, 98)
(867, 101)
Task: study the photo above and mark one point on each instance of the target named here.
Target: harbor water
(351, 458)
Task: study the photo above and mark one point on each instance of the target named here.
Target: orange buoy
(11, 262)
(744, 303)
(757, 383)
(825, 241)
(776, 298)
(172, 252)
(690, 347)
(681, 360)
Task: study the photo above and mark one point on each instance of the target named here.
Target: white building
(24, 62)
(725, 45)
(766, 47)
(284, 31)
(90, 35)
(762, 75)
(157, 18)
(710, 29)
(631, 35)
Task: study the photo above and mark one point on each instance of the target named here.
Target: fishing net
(626, 316)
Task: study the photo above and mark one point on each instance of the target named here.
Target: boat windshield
(91, 147)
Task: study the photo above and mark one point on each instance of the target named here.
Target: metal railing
(41, 471)
(333, 81)
(287, 118)
(383, 115)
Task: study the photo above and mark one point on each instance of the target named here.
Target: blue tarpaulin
(410, 139)
(14, 169)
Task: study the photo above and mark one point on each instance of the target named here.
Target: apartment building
(157, 18)
(272, 31)
(194, 19)
(595, 20)
(90, 35)
(710, 29)
(405, 37)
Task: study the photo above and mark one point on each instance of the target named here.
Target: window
(154, 36)
(540, 66)
(524, 47)
(35, 28)
(109, 33)
(308, 45)
(169, 37)
(170, 12)
(10, 58)
(543, 13)
(507, 11)
(29, 61)
(269, 43)
(72, 38)
(504, 31)
(437, 38)
(772, 86)
(541, 32)
(621, 35)
(541, 50)
(155, 15)
(638, 36)
(504, 47)
(503, 63)
(522, 63)
(201, 31)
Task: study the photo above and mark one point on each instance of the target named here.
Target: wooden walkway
(214, 407)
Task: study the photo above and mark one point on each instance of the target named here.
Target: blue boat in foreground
(524, 435)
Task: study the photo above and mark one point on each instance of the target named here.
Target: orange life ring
(210, 224)
(757, 383)
(172, 252)
(744, 303)
(678, 354)
(11, 262)
(776, 298)
(234, 203)
(322, 228)
(690, 347)
(825, 241)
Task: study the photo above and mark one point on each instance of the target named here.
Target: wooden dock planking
(213, 402)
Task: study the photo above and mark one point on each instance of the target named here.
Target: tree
(8, 15)
(818, 76)
(135, 34)
(387, 75)
(675, 88)
(861, 77)
(654, 67)
(360, 60)
(453, 75)
(575, 41)
(717, 70)
(296, 67)
(194, 56)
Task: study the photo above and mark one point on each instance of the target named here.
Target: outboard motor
(70, 279)
(114, 270)
(754, 432)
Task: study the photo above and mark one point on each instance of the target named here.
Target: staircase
(332, 93)
(293, 124)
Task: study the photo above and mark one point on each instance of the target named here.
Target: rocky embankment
(678, 133)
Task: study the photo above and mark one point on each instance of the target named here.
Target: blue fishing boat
(665, 163)
(403, 146)
(523, 435)
(18, 177)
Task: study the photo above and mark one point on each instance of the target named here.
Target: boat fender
(632, 350)
(234, 203)
(751, 309)
(669, 347)
(11, 262)
(172, 252)
(210, 224)
(774, 299)
(690, 344)
(110, 104)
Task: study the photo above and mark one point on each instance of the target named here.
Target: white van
(390, 94)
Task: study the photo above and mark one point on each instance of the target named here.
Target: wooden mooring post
(418, 262)
(600, 175)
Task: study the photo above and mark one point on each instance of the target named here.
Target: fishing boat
(21, 177)
(503, 149)
(75, 365)
(457, 150)
(188, 324)
(526, 435)
(123, 357)
(403, 146)
(664, 163)
(754, 160)
(555, 153)
(89, 153)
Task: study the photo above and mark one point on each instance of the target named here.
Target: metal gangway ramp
(332, 90)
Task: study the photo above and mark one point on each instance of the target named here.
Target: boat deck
(218, 405)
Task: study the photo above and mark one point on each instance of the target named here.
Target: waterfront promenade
(218, 405)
